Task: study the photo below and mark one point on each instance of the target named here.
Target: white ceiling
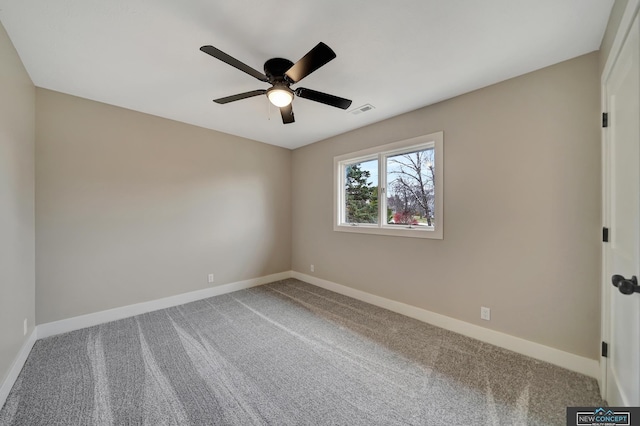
(396, 55)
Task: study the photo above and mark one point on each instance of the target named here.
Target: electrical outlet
(485, 313)
(25, 326)
(313, 268)
(211, 278)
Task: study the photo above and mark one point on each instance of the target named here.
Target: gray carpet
(286, 353)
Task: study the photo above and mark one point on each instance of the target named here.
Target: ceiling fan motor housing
(275, 68)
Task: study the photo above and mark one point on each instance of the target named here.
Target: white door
(622, 212)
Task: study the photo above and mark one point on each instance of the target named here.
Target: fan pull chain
(268, 110)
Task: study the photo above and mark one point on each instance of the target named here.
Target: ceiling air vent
(361, 109)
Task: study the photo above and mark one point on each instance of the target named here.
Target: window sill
(415, 232)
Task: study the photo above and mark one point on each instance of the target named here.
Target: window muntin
(395, 189)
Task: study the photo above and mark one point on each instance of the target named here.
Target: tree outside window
(410, 183)
(361, 195)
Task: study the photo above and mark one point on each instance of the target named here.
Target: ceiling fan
(281, 74)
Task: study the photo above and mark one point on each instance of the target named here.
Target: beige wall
(132, 207)
(521, 202)
(17, 232)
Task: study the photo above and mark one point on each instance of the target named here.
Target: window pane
(410, 188)
(361, 192)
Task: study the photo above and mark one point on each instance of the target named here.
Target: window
(395, 189)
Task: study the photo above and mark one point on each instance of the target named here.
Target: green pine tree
(362, 196)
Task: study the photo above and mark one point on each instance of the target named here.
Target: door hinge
(605, 119)
(605, 235)
(605, 349)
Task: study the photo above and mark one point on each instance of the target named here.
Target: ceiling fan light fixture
(280, 96)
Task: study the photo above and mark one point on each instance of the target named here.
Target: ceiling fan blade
(287, 114)
(324, 98)
(317, 57)
(219, 54)
(239, 96)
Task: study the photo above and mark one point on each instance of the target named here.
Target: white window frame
(435, 141)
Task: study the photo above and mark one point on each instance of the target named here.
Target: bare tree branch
(414, 181)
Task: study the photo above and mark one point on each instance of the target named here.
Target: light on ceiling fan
(280, 97)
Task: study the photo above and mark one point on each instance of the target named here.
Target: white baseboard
(96, 318)
(579, 364)
(15, 369)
